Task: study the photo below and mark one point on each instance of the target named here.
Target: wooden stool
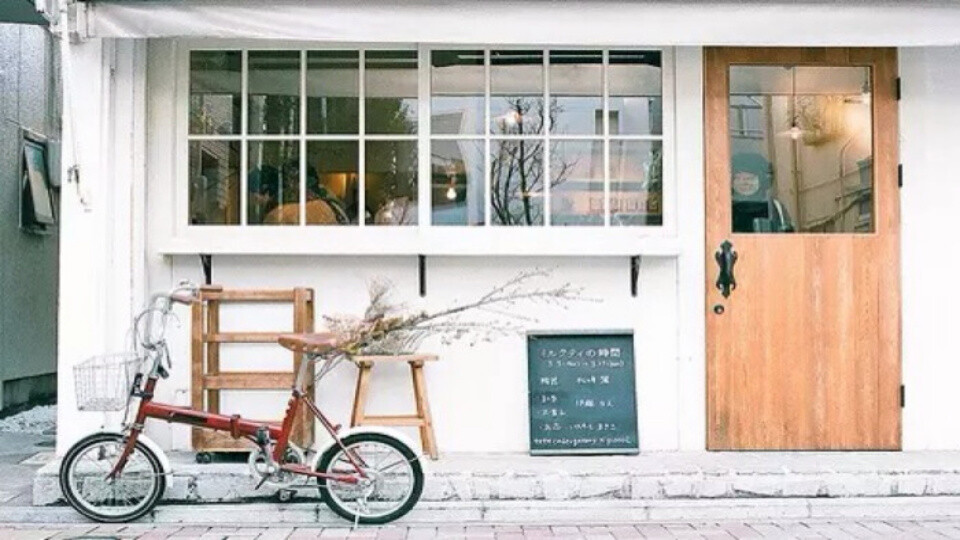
(421, 419)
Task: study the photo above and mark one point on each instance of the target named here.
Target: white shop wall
(930, 199)
(478, 394)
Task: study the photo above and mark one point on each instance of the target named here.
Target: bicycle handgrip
(185, 299)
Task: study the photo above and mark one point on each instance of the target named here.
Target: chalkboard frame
(631, 382)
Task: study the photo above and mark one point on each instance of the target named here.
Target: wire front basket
(103, 382)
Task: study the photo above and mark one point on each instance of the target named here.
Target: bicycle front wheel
(391, 484)
(86, 486)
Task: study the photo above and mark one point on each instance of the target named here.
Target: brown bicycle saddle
(318, 343)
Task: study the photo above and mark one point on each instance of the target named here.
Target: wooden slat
(243, 337)
(397, 358)
(196, 365)
(247, 380)
(213, 352)
(393, 420)
(303, 323)
(423, 410)
(215, 441)
(262, 295)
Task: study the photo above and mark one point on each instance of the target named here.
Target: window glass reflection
(516, 182)
(215, 87)
(636, 104)
(274, 90)
(636, 182)
(391, 92)
(576, 92)
(457, 182)
(214, 172)
(333, 92)
(801, 154)
(516, 93)
(576, 171)
(457, 90)
(332, 183)
(273, 183)
(391, 182)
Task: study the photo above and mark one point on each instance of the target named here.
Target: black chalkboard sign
(582, 393)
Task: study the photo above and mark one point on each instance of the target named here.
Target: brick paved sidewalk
(924, 529)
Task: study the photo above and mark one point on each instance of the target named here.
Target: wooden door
(801, 180)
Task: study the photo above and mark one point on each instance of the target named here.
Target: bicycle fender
(149, 443)
(315, 462)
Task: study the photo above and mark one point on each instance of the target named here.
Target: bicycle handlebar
(185, 299)
(184, 293)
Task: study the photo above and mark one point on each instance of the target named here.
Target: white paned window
(426, 139)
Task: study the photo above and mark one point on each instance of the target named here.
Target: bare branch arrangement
(387, 328)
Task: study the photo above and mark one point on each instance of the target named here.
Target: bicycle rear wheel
(391, 488)
(85, 484)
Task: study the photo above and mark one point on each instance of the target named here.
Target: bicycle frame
(260, 433)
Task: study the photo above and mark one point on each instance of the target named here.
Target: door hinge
(897, 88)
(903, 396)
(900, 175)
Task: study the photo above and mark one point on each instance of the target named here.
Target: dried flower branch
(386, 328)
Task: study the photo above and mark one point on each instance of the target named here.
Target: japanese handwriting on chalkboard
(581, 393)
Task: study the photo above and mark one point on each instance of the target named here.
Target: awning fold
(601, 22)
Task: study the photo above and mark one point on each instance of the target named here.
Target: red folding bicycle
(367, 475)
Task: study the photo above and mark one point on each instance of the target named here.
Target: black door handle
(726, 257)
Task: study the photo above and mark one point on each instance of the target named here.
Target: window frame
(422, 238)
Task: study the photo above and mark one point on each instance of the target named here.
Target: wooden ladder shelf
(207, 380)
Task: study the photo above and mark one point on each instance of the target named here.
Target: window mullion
(606, 138)
(547, 126)
(487, 195)
(424, 182)
(244, 121)
(303, 140)
(361, 143)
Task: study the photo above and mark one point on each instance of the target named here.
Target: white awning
(585, 22)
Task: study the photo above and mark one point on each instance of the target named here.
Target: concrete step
(647, 477)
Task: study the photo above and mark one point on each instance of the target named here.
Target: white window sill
(478, 241)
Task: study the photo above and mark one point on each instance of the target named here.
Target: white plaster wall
(930, 199)
(478, 394)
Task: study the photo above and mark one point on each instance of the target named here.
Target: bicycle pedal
(261, 483)
(286, 495)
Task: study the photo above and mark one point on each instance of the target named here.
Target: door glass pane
(576, 184)
(801, 150)
(274, 89)
(391, 92)
(516, 92)
(273, 183)
(516, 182)
(333, 92)
(390, 183)
(576, 92)
(457, 88)
(332, 182)
(457, 182)
(215, 92)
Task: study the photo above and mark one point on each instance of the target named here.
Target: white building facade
(326, 145)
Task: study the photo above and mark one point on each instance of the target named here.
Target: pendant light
(794, 132)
